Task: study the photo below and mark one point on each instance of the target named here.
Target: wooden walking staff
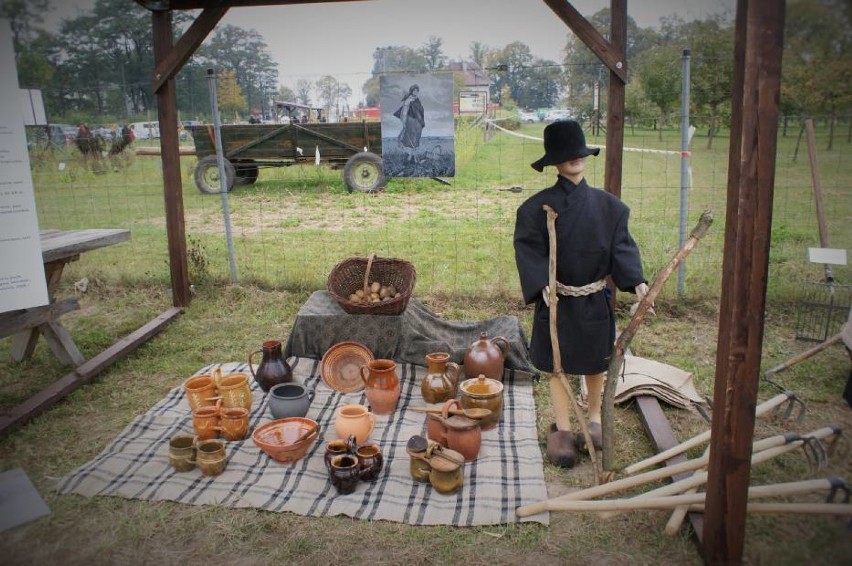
(567, 389)
(607, 418)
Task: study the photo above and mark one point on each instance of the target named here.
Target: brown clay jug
(486, 357)
(273, 368)
(441, 379)
(381, 385)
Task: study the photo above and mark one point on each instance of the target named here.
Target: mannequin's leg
(594, 387)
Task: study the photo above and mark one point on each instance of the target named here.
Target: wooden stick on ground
(608, 419)
(554, 342)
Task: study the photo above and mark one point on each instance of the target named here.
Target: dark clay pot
(273, 368)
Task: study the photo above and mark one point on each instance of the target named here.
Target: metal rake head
(785, 410)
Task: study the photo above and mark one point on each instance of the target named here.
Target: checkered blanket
(508, 472)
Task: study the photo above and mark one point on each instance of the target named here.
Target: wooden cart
(356, 146)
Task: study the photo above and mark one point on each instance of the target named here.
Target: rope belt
(582, 291)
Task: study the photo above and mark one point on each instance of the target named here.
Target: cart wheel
(363, 172)
(207, 175)
(246, 172)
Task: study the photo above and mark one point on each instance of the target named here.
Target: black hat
(563, 141)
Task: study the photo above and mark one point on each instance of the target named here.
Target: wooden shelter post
(170, 156)
(615, 100)
(751, 178)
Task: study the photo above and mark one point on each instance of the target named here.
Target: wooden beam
(166, 5)
(14, 322)
(186, 46)
(170, 148)
(660, 432)
(615, 101)
(48, 397)
(590, 36)
(759, 33)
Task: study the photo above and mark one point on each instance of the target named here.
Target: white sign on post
(22, 282)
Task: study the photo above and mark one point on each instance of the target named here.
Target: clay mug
(370, 461)
(182, 452)
(339, 447)
(381, 385)
(210, 457)
(354, 420)
(205, 421)
(486, 357)
(288, 400)
(456, 432)
(441, 379)
(344, 473)
(234, 423)
(235, 390)
(201, 391)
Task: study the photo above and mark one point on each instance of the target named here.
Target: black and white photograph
(417, 125)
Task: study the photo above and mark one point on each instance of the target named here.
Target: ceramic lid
(481, 387)
(460, 422)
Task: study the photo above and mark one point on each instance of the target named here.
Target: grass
(290, 228)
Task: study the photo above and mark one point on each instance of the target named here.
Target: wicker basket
(349, 275)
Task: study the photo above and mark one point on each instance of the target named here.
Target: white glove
(641, 290)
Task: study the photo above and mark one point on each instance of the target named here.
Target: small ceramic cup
(182, 452)
(210, 457)
(356, 420)
(205, 421)
(344, 473)
(339, 447)
(234, 423)
(370, 461)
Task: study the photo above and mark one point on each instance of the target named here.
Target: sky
(338, 39)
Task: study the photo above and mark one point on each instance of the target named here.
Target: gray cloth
(508, 473)
(408, 337)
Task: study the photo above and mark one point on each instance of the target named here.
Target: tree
(479, 53)
(433, 53)
(392, 59)
(229, 94)
(660, 77)
(24, 18)
(711, 67)
(330, 92)
(286, 94)
(303, 91)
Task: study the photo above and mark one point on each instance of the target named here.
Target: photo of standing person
(418, 127)
(412, 117)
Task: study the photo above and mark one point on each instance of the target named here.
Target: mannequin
(593, 243)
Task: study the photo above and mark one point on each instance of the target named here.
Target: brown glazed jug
(486, 357)
(273, 368)
(381, 386)
(441, 379)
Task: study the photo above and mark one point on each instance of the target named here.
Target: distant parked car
(559, 114)
(104, 132)
(527, 117)
(145, 130)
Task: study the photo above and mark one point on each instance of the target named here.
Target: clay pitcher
(354, 420)
(486, 357)
(381, 385)
(441, 380)
(273, 368)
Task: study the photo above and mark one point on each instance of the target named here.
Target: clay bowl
(286, 440)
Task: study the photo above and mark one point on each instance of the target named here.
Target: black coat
(593, 242)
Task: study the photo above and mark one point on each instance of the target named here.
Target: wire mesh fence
(295, 223)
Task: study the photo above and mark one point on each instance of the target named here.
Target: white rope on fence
(635, 149)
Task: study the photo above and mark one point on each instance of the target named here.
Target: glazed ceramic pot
(288, 400)
(235, 391)
(210, 457)
(419, 469)
(464, 436)
(381, 385)
(273, 368)
(339, 447)
(182, 452)
(484, 393)
(234, 423)
(354, 420)
(370, 461)
(486, 357)
(435, 429)
(441, 379)
(344, 473)
(205, 421)
(201, 391)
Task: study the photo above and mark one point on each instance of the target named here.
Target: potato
(360, 293)
(374, 288)
(392, 290)
(353, 298)
(383, 292)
